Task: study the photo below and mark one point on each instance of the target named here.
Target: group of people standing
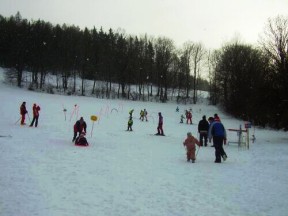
(209, 130)
(143, 115)
(23, 111)
(212, 130)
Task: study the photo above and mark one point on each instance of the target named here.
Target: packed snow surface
(131, 173)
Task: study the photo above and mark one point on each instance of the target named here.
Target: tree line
(248, 81)
(252, 82)
(112, 57)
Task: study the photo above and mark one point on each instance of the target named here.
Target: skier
(81, 140)
(142, 115)
(131, 112)
(218, 133)
(177, 109)
(190, 144)
(182, 118)
(79, 127)
(203, 128)
(145, 114)
(189, 117)
(160, 125)
(36, 110)
(130, 123)
(23, 112)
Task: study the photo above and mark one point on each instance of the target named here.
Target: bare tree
(197, 56)
(275, 44)
(164, 56)
(193, 54)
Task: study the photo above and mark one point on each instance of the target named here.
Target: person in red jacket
(36, 110)
(160, 125)
(79, 127)
(190, 143)
(189, 117)
(23, 112)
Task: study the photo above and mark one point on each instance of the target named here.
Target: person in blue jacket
(218, 133)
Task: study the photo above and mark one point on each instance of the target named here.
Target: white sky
(212, 22)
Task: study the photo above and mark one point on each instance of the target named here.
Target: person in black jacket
(203, 128)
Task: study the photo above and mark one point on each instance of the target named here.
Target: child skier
(190, 142)
(81, 140)
(142, 115)
(182, 118)
(131, 112)
(189, 117)
(130, 123)
(23, 112)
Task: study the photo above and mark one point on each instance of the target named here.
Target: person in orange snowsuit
(23, 112)
(36, 110)
(190, 144)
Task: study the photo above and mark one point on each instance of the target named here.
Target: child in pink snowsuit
(190, 143)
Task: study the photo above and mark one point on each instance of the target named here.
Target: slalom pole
(77, 112)
(64, 110)
(93, 119)
(92, 128)
(75, 106)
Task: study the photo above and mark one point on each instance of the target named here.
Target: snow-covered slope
(131, 173)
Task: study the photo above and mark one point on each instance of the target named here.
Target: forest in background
(247, 81)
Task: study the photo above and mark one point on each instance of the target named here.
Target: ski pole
(197, 151)
(28, 117)
(17, 121)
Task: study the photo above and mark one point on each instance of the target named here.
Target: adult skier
(218, 133)
(203, 128)
(160, 125)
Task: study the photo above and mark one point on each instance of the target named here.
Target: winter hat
(204, 117)
(189, 134)
(216, 117)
